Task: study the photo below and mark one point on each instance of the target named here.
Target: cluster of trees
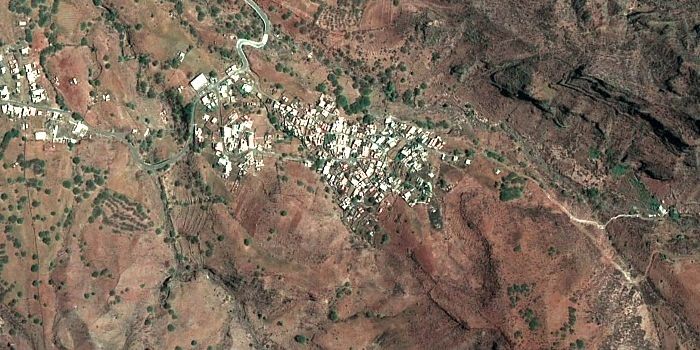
(6, 138)
(182, 113)
(143, 88)
(19, 7)
(179, 6)
(511, 187)
(362, 103)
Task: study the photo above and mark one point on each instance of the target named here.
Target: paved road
(255, 44)
(42, 108)
(240, 43)
(135, 154)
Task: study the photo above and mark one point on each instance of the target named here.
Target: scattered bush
(301, 339)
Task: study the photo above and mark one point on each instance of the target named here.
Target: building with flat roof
(40, 135)
(199, 82)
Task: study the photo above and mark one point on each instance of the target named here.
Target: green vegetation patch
(495, 156)
(508, 193)
(650, 202)
(517, 291)
(529, 316)
(333, 315)
(301, 339)
(594, 153)
(6, 138)
(619, 170)
(511, 187)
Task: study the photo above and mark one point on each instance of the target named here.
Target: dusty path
(608, 252)
(597, 224)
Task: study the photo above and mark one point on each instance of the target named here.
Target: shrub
(7, 137)
(619, 170)
(300, 339)
(510, 193)
(333, 315)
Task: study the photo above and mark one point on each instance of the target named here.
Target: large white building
(199, 82)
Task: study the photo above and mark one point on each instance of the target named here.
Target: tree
(359, 105)
(342, 102)
(333, 315)
(301, 339)
(408, 97)
(508, 193)
(390, 91)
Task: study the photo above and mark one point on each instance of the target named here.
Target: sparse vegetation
(619, 170)
(517, 291)
(333, 315)
(6, 138)
(511, 187)
(529, 316)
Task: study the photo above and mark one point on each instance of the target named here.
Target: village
(362, 162)
(233, 136)
(24, 100)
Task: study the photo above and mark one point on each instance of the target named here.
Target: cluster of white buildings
(46, 124)
(56, 126)
(38, 94)
(32, 72)
(237, 138)
(200, 83)
(225, 91)
(362, 162)
(20, 111)
(236, 146)
(62, 132)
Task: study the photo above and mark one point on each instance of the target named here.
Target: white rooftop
(199, 82)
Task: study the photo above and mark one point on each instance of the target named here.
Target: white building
(40, 135)
(80, 129)
(199, 82)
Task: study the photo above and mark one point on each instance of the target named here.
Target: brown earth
(594, 102)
